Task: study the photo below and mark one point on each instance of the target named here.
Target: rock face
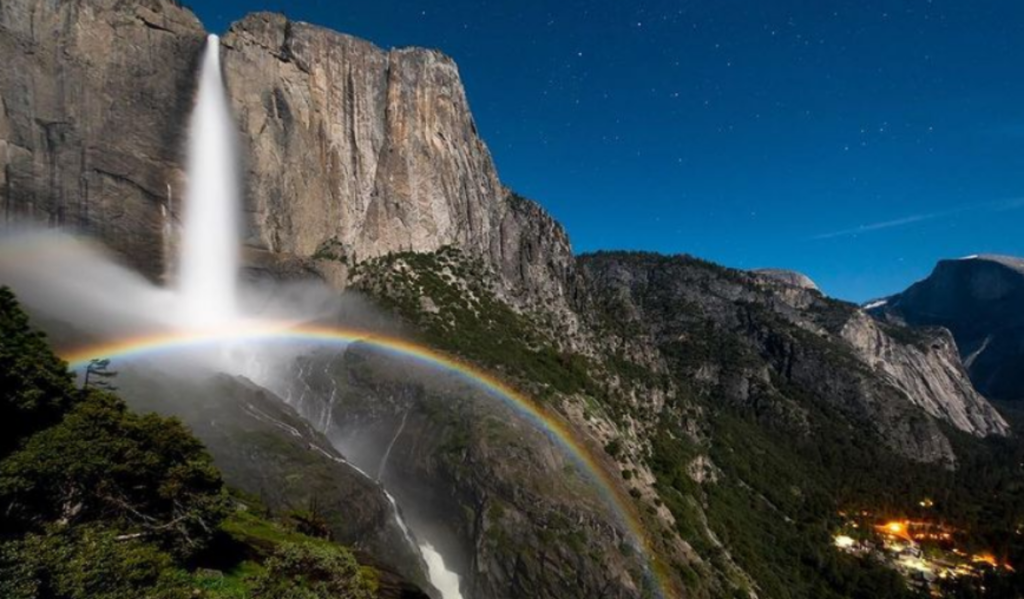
(388, 132)
(508, 510)
(93, 96)
(829, 349)
(979, 299)
(95, 109)
(929, 372)
(397, 160)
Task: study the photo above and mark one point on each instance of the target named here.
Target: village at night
(934, 557)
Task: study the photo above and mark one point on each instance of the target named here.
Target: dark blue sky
(857, 141)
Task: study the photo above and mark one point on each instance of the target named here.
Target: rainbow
(551, 424)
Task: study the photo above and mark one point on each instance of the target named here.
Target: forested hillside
(97, 502)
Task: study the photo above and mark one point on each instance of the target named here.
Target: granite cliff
(399, 162)
(91, 133)
(978, 300)
(93, 96)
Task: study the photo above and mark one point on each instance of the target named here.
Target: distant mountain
(980, 299)
(791, 337)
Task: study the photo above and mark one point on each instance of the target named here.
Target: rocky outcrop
(93, 97)
(928, 370)
(789, 277)
(511, 513)
(979, 300)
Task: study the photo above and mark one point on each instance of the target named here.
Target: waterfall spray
(210, 255)
(209, 260)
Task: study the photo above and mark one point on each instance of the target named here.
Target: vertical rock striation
(93, 98)
(356, 152)
(929, 372)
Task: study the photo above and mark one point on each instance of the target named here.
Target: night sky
(856, 141)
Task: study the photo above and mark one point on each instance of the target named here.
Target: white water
(443, 579)
(209, 260)
(398, 517)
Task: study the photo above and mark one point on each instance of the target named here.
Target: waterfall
(398, 517)
(447, 582)
(209, 259)
(443, 579)
(387, 454)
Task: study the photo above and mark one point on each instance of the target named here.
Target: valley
(403, 382)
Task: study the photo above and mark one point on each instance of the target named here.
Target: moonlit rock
(789, 277)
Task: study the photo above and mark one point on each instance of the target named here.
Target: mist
(82, 295)
(65, 277)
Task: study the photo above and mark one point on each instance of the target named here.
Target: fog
(82, 295)
(66, 279)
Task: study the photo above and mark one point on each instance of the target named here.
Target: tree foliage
(88, 562)
(36, 388)
(102, 462)
(97, 502)
(313, 571)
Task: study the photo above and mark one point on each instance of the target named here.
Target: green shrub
(146, 473)
(314, 571)
(88, 562)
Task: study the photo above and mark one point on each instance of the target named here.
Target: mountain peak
(977, 298)
(789, 277)
(1011, 262)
